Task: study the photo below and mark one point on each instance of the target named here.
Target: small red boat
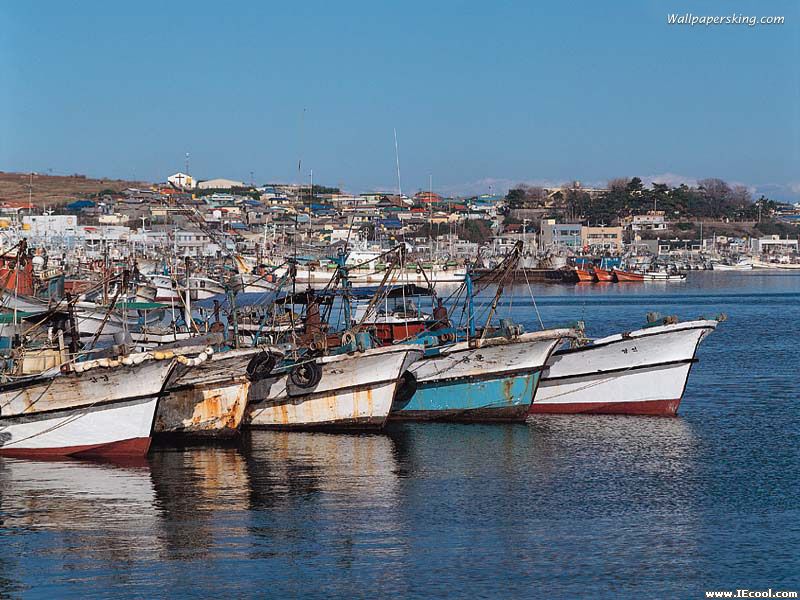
(627, 276)
(603, 274)
(585, 275)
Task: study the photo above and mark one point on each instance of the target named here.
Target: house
(561, 234)
(601, 238)
(652, 221)
(772, 244)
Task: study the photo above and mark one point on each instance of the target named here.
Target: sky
(482, 95)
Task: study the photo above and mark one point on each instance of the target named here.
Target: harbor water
(559, 507)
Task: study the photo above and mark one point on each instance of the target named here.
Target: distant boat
(744, 265)
(604, 274)
(761, 264)
(623, 276)
(638, 276)
(643, 372)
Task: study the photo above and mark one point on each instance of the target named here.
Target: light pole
(525, 233)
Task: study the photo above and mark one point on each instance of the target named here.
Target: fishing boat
(209, 399)
(643, 372)
(744, 265)
(623, 276)
(352, 390)
(776, 265)
(585, 275)
(102, 407)
(663, 276)
(605, 271)
(492, 375)
(490, 379)
(604, 275)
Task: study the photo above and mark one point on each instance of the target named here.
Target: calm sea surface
(560, 507)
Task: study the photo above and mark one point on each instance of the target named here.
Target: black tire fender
(306, 375)
(260, 366)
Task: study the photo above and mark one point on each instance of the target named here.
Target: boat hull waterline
(101, 412)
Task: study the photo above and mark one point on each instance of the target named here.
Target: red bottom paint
(659, 408)
(123, 448)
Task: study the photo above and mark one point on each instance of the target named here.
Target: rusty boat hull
(103, 412)
(209, 400)
(355, 392)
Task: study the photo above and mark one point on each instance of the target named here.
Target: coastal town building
(567, 235)
(220, 184)
(181, 181)
(601, 238)
(651, 221)
(773, 244)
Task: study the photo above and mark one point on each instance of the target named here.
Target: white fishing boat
(744, 265)
(663, 276)
(102, 407)
(643, 372)
(201, 288)
(209, 400)
(784, 265)
(352, 390)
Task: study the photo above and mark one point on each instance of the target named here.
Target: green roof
(7, 318)
(141, 305)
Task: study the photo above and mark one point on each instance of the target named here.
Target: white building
(773, 244)
(43, 225)
(220, 184)
(182, 181)
(194, 243)
(652, 221)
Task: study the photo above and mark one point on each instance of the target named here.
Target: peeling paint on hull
(203, 412)
(502, 399)
(209, 400)
(495, 382)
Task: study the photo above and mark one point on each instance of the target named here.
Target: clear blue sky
(480, 92)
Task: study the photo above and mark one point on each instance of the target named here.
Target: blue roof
(78, 204)
(392, 223)
(242, 299)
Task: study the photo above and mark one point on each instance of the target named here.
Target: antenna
(187, 163)
(397, 158)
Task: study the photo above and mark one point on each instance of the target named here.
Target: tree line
(711, 199)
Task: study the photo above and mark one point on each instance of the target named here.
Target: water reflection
(78, 515)
(197, 489)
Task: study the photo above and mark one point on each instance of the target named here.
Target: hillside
(54, 190)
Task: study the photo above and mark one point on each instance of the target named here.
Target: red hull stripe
(132, 447)
(661, 408)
